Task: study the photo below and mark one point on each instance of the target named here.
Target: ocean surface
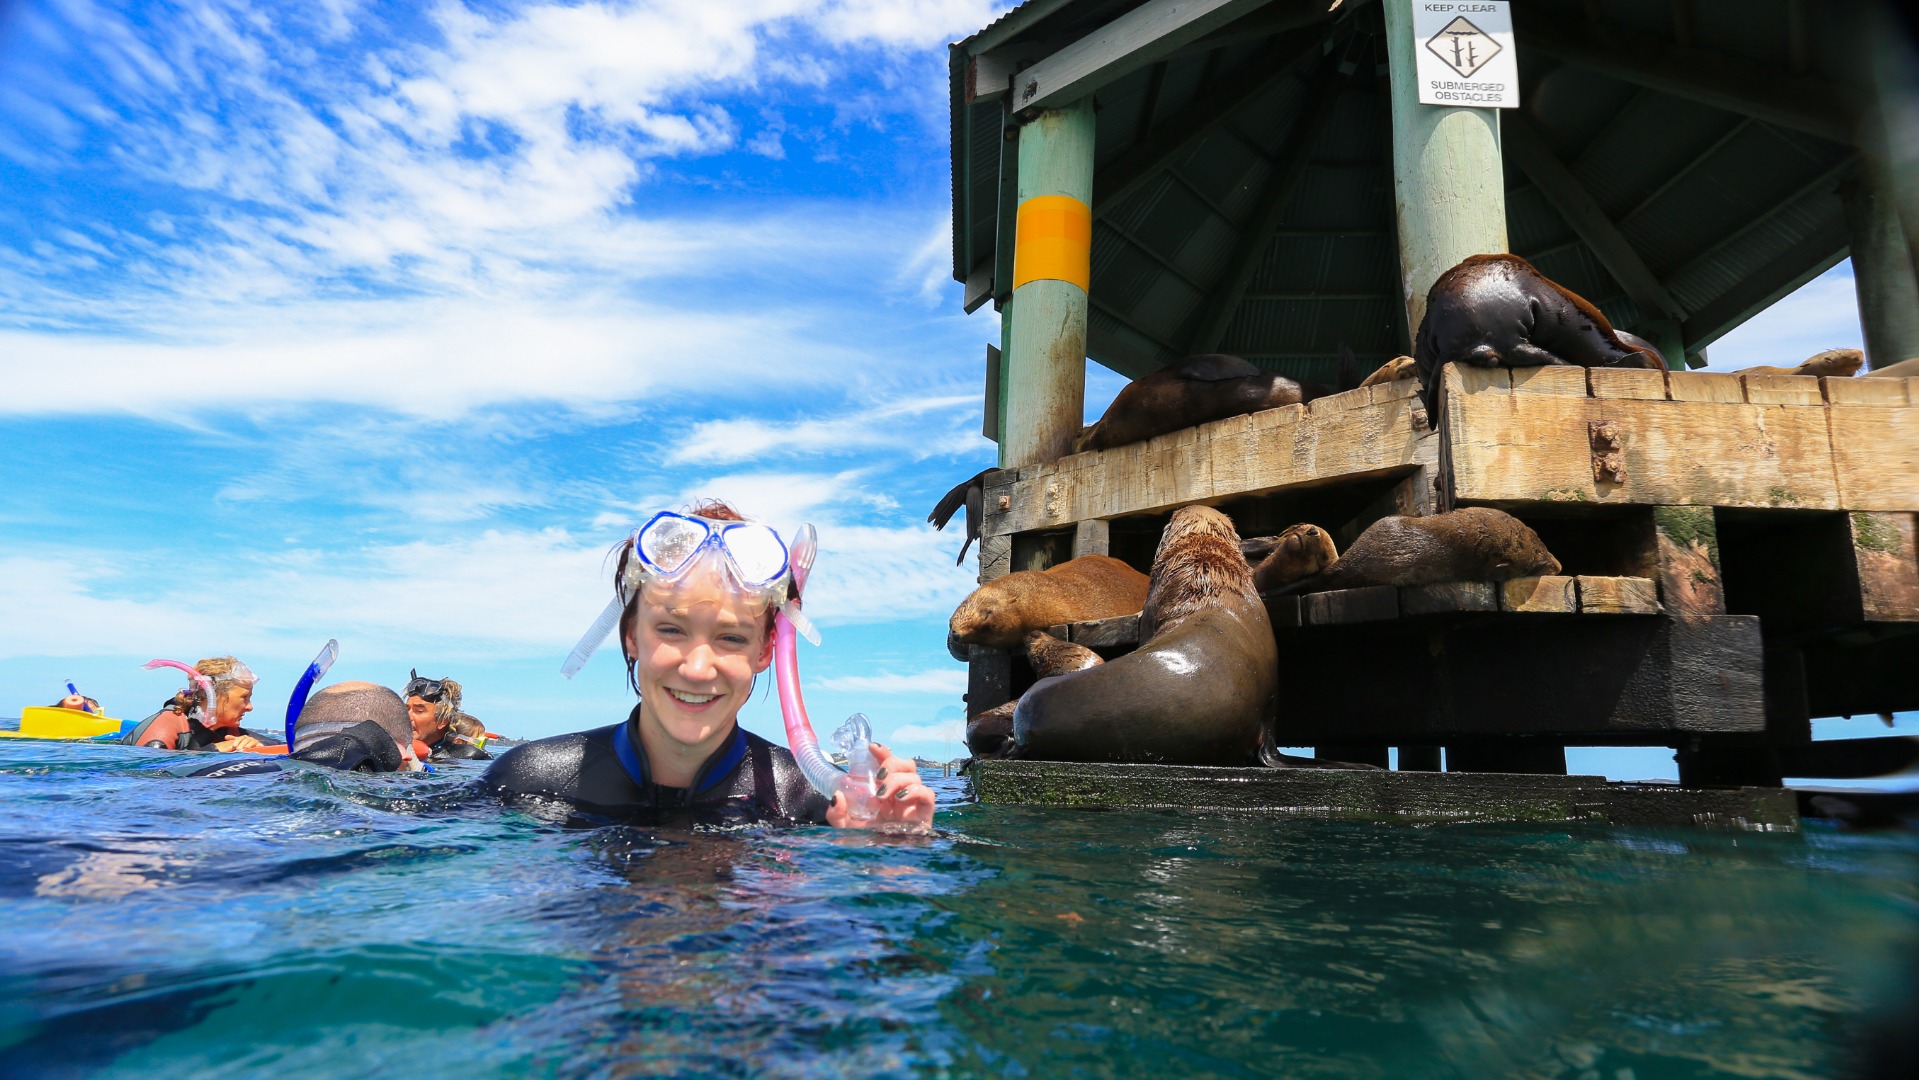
(331, 925)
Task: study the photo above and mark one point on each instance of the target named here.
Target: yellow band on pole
(1053, 241)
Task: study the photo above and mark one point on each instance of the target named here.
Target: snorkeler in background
(433, 705)
(697, 596)
(78, 702)
(188, 722)
(351, 726)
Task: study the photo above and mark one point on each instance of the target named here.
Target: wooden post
(1045, 377)
(1882, 270)
(1449, 189)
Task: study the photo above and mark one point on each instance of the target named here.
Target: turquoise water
(320, 924)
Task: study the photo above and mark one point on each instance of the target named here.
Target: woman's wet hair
(215, 668)
(711, 509)
(447, 709)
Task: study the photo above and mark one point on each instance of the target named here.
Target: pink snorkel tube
(206, 684)
(854, 738)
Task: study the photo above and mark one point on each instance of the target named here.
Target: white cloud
(890, 425)
(933, 681)
(944, 735)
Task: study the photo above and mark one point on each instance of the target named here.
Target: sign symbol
(1463, 47)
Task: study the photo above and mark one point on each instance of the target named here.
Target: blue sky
(385, 321)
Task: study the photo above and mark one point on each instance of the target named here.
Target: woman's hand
(238, 742)
(903, 803)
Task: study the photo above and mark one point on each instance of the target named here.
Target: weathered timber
(1638, 383)
(1507, 444)
(1888, 565)
(1341, 606)
(1617, 596)
(1369, 795)
(1550, 594)
(1448, 598)
(989, 679)
(1365, 433)
(1507, 756)
(1582, 681)
(1876, 455)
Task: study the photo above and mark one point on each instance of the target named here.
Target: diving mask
(751, 560)
(422, 687)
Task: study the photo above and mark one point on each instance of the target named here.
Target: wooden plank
(1617, 595)
(1639, 383)
(1704, 386)
(1342, 606)
(1448, 598)
(1557, 379)
(1405, 797)
(989, 679)
(1888, 566)
(1537, 448)
(1117, 631)
(1875, 453)
(995, 557)
(1092, 537)
(1551, 594)
(1856, 391)
(1783, 390)
(1142, 36)
(1284, 612)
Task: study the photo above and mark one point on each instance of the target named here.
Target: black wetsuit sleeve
(454, 750)
(580, 768)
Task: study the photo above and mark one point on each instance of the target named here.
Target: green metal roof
(1727, 211)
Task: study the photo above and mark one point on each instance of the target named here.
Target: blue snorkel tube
(304, 688)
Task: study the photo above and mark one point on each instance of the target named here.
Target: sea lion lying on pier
(1189, 391)
(1298, 553)
(1831, 363)
(999, 613)
(1497, 311)
(1476, 543)
(1202, 687)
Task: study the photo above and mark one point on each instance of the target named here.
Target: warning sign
(1464, 54)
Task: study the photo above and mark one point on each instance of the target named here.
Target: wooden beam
(1710, 78)
(1257, 236)
(1124, 174)
(1142, 36)
(1568, 196)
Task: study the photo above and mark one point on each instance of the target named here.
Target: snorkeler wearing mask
(207, 714)
(696, 598)
(433, 705)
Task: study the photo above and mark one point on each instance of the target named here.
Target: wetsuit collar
(715, 770)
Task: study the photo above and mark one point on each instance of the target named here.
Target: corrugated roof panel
(1121, 272)
(1743, 178)
(1111, 342)
(1575, 267)
(1226, 170)
(1581, 102)
(1174, 221)
(1623, 167)
(1163, 312)
(1727, 267)
(1341, 197)
(1265, 120)
(1209, 249)
(1328, 263)
(1532, 224)
(1318, 327)
(1353, 132)
(1749, 30)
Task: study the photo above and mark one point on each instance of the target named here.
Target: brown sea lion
(1832, 363)
(1904, 369)
(1634, 341)
(990, 733)
(1194, 390)
(1399, 367)
(1202, 687)
(970, 494)
(1497, 311)
(1476, 543)
(999, 613)
(1298, 553)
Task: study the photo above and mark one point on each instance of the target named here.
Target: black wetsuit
(451, 748)
(602, 773)
(364, 747)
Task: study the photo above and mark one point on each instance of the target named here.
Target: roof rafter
(1568, 196)
(1802, 103)
(1313, 118)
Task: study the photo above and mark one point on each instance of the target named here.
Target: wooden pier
(1259, 178)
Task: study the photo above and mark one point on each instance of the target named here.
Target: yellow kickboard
(44, 722)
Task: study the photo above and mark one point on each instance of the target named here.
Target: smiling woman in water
(696, 599)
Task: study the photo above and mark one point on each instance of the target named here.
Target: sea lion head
(990, 616)
(1836, 363)
(1517, 550)
(1197, 566)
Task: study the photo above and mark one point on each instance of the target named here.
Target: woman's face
(234, 704)
(695, 653)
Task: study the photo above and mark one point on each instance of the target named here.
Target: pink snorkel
(206, 684)
(854, 738)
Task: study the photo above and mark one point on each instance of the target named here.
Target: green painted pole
(1882, 270)
(1045, 355)
(1449, 189)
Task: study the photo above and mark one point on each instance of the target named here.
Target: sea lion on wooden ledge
(1298, 553)
(999, 613)
(990, 733)
(1476, 543)
(1194, 390)
(1830, 363)
(1202, 687)
(1497, 311)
